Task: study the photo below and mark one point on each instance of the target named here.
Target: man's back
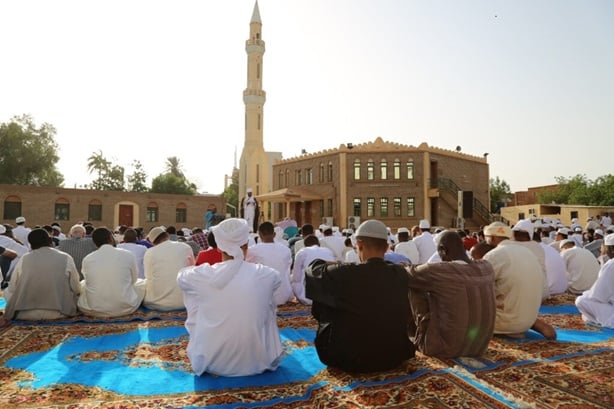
(162, 263)
(555, 270)
(582, 269)
(362, 312)
(303, 258)
(426, 247)
(409, 250)
(278, 257)
(78, 248)
(138, 251)
(231, 318)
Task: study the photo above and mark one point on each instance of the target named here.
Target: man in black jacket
(362, 310)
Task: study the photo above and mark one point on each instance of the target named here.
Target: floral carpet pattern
(139, 361)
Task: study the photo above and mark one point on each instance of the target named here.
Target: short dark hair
(311, 240)
(39, 238)
(171, 230)
(100, 236)
(130, 236)
(307, 229)
(266, 228)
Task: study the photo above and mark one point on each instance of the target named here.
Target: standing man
(21, 231)
(250, 210)
(362, 309)
(424, 242)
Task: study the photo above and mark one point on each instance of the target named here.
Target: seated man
(582, 267)
(518, 284)
(231, 321)
(110, 287)
(162, 263)
(362, 309)
(597, 303)
(44, 284)
(6, 257)
(77, 245)
(311, 251)
(452, 302)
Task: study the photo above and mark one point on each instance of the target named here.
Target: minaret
(254, 166)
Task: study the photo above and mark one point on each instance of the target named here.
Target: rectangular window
(356, 170)
(308, 176)
(94, 212)
(410, 170)
(397, 170)
(152, 214)
(330, 172)
(383, 166)
(12, 210)
(396, 203)
(62, 211)
(357, 206)
(370, 171)
(370, 207)
(411, 206)
(257, 173)
(329, 207)
(321, 208)
(298, 178)
(181, 215)
(383, 206)
(321, 175)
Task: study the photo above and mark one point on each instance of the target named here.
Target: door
(126, 215)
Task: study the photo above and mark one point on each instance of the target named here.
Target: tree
(28, 155)
(579, 190)
(499, 194)
(110, 176)
(173, 181)
(231, 193)
(138, 179)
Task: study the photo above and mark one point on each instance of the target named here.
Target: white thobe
(278, 257)
(9, 243)
(162, 264)
(426, 247)
(249, 211)
(540, 254)
(231, 321)
(556, 271)
(518, 287)
(335, 244)
(301, 261)
(597, 303)
(409, 250)
(582, 269)
(21, 234)
(110, 287)
(138, 250)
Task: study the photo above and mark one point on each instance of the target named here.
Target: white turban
(230, 235)
(494, 229)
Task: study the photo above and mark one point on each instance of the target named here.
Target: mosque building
(396, 183)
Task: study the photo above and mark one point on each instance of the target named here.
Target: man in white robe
(250, 210)
(556, 272)
(110, 287)
(162, 263)
(597, 304)
(406, 246)
(311, 251)
(523, 235)
(138, 250)
(231, 321)
(425, 243)
(582, 267)
(275, 255)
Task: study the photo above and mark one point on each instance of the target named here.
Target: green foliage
(579, 190)
(110, 176)
(231, 193)
(170, 183)
(499, 193)
(137, 180)
(28, 155)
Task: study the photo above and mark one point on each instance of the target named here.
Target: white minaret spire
(254, 164)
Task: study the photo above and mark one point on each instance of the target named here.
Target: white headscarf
(230, 235)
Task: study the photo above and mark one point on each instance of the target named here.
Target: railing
(450, 186)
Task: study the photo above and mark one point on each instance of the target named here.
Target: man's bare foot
(545, 329)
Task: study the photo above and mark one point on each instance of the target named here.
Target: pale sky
(530, 82)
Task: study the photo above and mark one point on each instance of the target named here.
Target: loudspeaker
(467, 205)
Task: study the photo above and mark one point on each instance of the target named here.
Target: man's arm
(317, 281)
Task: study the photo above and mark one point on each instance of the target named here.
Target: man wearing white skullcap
(518, 284)
(250, 210)
(232, 320)
(597, 303)
(425, 243)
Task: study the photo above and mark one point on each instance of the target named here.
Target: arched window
(383, 166)
(357, 169)
(94, 210)
(330, 171)
(62, 209)
(12, 207)
(181, 213)
(410, 169)
(396, 169)
(370, 170)
(152, 212)
(321, 174)
(281, 179)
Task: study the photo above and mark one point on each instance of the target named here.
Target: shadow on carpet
(140, 361)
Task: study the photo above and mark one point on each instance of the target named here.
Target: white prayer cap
(230, 235)
(20, 219)
(609, 240)
(403, 230)
(498, 229)
(610, 229)
(249, 190)
(2, 229)
(563, 230)
(599, 232)
(155, 233)
(372, 228)
(578, 229)
(566, 242)
(424, 224)
(524, 225)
